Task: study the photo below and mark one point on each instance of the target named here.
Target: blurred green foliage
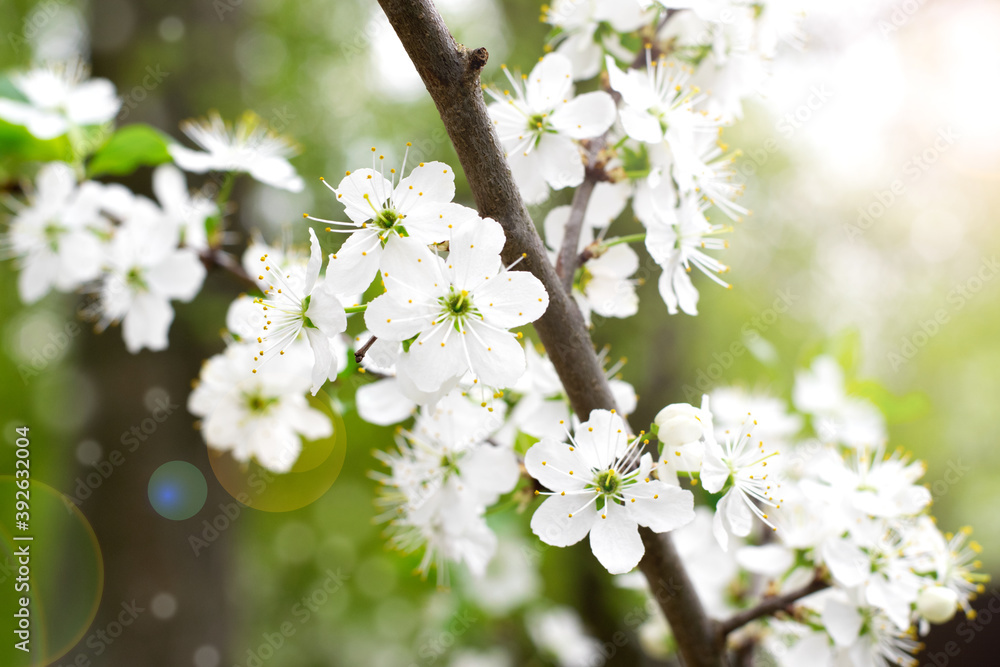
(307, 68)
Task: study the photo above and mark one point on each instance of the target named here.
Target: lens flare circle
(177, 490)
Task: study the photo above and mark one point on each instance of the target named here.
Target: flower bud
(678, 424)
(937, 604)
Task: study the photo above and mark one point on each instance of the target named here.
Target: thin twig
(771, 605)
(670, 13)
(567, 260)
(223, 260)
(359, 354)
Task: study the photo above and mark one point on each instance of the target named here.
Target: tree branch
(360, 353)
(568, 258)
(218, 258)
(451, 74)
(697, 635)
(566, 261)
(771, 605)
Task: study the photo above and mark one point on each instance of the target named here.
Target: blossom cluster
(133, 254)
(421, 294)
(124, 248)
(798, 507)
(651, 135)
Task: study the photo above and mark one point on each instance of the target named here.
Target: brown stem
(566, 261)
(359, 354)
(568, 258)
(696, 634)
(223, 260)
(451, 74)
(771, 605)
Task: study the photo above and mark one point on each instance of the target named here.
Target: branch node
(477, 59)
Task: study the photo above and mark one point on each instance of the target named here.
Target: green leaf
(9, 90)
(408, 343)
(523, 442)
(18, 146)
(130, 147)
(897, 409)
(846, 349)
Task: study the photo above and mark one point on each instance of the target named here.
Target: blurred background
(871, 162)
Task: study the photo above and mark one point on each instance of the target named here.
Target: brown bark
(451, 74)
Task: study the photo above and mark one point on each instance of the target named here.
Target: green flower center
(389, 222)
(387, 219)
(259, 404)
(135, 279)
(52, 232)
(457, 305)
(538, 124)
(608, 482)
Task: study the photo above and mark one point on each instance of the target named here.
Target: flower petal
(842, 621)
(432, 360)
(511, 299)
(550, 82)
(179, 276)
(315, 263)
(351, 269)
(659, 506)
(553, 524)
(428, 182)
(586, 116)
(382, 403)
(92, 102)
(550, 462)
(562, 165)
(326, 311)
(147, 322)
(488, 472)
(323, 357)
(389, 319)
(497, 358)
(412, 273)
(475, 252)
(641, 125)
(615, 540)
(528, 170)
(363, 193)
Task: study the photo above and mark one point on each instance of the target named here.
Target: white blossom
(583, 30)
(382, 211)
(456, 312)
(742, 466)
(559, 632)
(441, 479)
(190, 211)
(55, 237)
(600, 484)
(250, 147)
(678, 244)
(539, 121)
(59, 98)
(603, 284)
(294, 306)
(145, 271)
(261, 416)
(821, 391)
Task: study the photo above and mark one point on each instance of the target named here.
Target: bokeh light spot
(177, 490)
(163, 605)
